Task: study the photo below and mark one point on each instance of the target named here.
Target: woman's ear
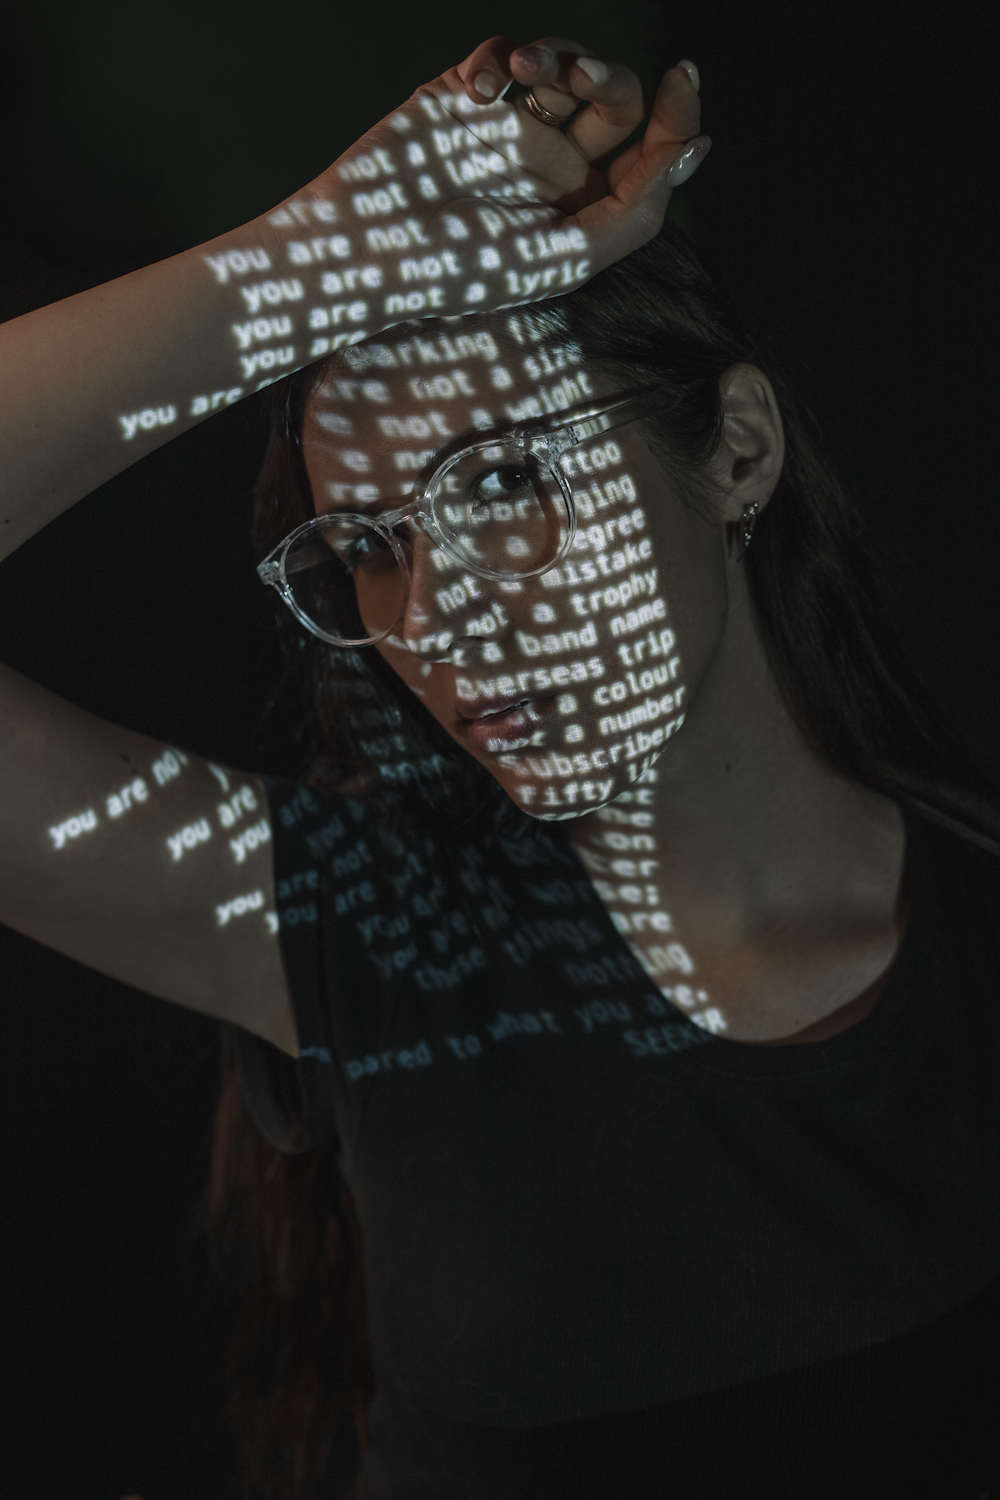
(748, 465)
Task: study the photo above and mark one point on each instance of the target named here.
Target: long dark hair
(656, 317)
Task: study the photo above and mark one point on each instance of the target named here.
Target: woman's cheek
(601, 646)
(407, 666)
(606, 731)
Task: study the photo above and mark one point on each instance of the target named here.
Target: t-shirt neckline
(723, 1055)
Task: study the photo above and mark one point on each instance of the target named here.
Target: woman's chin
(522, 745)
(559, 799)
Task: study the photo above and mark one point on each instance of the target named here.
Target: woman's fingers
(562, 74)
(615, 105)
(675, 120)
(618, 210)
(676, 112)
(545, 67)
(633, 214)
(486, 72)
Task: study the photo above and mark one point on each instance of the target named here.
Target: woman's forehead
(438, 366)
(458, 360)
(387, 407)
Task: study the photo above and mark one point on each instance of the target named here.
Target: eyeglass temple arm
(585, 427)
(271, 569)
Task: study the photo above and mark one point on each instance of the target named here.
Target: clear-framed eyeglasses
(501, 508)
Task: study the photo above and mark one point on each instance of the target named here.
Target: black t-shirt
(596, 1235)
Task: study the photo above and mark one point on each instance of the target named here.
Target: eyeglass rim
(413, 511)
(591, 422)
(283, 589)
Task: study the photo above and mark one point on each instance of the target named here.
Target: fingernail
(535, 58)
(595, 70)
(692, 72)
(685, 166)
(485, 84)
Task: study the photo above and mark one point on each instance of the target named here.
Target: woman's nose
(447, 603)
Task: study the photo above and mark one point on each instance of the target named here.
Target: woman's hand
(605, 102)
(462, 202)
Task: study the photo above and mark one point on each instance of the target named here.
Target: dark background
(845, 203)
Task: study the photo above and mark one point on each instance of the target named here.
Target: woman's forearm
(92, 383)
(445, 207)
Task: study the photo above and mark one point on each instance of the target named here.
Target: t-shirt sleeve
(291, 1099)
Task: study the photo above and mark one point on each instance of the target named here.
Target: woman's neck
(755, 884)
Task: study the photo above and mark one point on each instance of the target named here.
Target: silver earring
(747, 520)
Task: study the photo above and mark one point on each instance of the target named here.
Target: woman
(618, 787)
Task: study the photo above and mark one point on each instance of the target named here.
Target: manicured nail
(535, 58)
(692, 72)
(595, 70)
(685, 166)
(485, 84)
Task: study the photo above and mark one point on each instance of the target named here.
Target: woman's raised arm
(130, 856)
(139, 860)
(454, 203)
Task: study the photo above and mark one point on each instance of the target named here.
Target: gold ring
(545, 115)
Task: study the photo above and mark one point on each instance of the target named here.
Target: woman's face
(569, 685)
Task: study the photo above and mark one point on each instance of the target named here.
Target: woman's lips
(509, 728)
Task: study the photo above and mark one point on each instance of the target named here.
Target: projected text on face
(569, 684)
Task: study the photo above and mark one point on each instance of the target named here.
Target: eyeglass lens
(499, 508)
(502, 509)
(345, 580)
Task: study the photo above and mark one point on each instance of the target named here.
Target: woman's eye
(364, 549)
(500, 484)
